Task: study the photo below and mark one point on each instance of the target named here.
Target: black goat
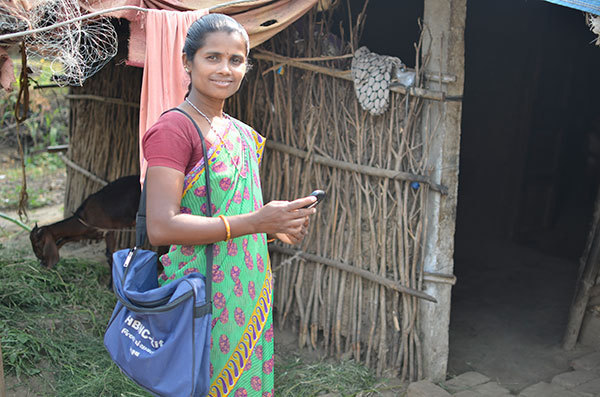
(111, 208)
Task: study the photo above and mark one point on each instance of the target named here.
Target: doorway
(529, 171)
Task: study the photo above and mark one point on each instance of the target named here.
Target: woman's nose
(224, 67)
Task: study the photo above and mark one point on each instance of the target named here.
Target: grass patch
(53, 324)
(41, 169)
(295, 378)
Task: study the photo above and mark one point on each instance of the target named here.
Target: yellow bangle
(227, 228)
(271, 240)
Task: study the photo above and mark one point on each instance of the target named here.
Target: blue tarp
(591, 6)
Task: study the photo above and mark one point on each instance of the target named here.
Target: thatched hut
(374, 279)
(354, 288)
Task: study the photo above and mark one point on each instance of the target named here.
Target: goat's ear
(38, 231)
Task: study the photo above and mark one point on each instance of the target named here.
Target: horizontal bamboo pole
(347, 75)
(57, 148)
(78, 168)
(444, 78)
(361, 169)
(354, 270)
(439, 278)
(116, 101)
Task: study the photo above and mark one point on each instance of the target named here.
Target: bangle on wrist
(227, 228)
(271, 240)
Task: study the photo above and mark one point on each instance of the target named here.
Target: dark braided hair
(211, 23)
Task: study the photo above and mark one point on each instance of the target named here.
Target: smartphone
(320, 195)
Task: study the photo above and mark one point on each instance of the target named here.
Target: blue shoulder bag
(160, 336)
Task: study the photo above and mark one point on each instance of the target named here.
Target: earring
(187, 70)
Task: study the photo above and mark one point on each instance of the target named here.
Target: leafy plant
(47, 121)
(41, 170)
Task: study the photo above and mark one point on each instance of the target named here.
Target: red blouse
(173, 142)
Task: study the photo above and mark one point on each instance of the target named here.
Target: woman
(215, 56)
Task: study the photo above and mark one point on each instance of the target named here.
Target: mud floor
(509, 313)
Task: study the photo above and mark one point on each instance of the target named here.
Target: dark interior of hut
(529, 173)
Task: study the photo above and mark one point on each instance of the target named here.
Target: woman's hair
(211, 23)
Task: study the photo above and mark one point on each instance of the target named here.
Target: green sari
(241, 357)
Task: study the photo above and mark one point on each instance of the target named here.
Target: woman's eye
(212, 57)
(236, 61)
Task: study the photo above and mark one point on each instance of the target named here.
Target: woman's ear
(185, 62)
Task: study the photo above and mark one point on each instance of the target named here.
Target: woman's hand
(294, 239)
(289, 218)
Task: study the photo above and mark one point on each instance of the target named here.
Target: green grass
(53, 322)
(52, 326)
(39, 169)
(293, 377)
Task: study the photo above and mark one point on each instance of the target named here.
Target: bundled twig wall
(103, 134)
(373, 222)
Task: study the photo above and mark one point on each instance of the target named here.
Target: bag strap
(140, 223)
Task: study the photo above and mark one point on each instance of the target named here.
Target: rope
(84, 223)
(21, 113)
(288, 261)
(22, 105)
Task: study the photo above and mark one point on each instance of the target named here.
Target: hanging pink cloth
(164, 82)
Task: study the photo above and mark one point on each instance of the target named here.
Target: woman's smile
(222, 83)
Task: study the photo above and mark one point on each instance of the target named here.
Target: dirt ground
(509, 313)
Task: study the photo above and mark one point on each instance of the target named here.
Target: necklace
(199, 111)
(225, 115)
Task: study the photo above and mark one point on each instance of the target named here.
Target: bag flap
(137, 283)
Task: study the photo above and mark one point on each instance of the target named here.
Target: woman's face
(219, 66)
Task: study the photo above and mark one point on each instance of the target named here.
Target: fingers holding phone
(305, 204)
(319, 195)
(310, 201)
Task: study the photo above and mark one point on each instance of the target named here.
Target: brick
(544, 389)
(425, 388)
(465, 381)
(589, 389)
(570, 380)
(590, 362)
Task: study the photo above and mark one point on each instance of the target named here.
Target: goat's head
(44, 246)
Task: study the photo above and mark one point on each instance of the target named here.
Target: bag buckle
(129, 257)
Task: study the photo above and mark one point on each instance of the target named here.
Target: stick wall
(374, 223)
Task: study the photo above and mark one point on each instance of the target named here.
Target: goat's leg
(109, 238)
